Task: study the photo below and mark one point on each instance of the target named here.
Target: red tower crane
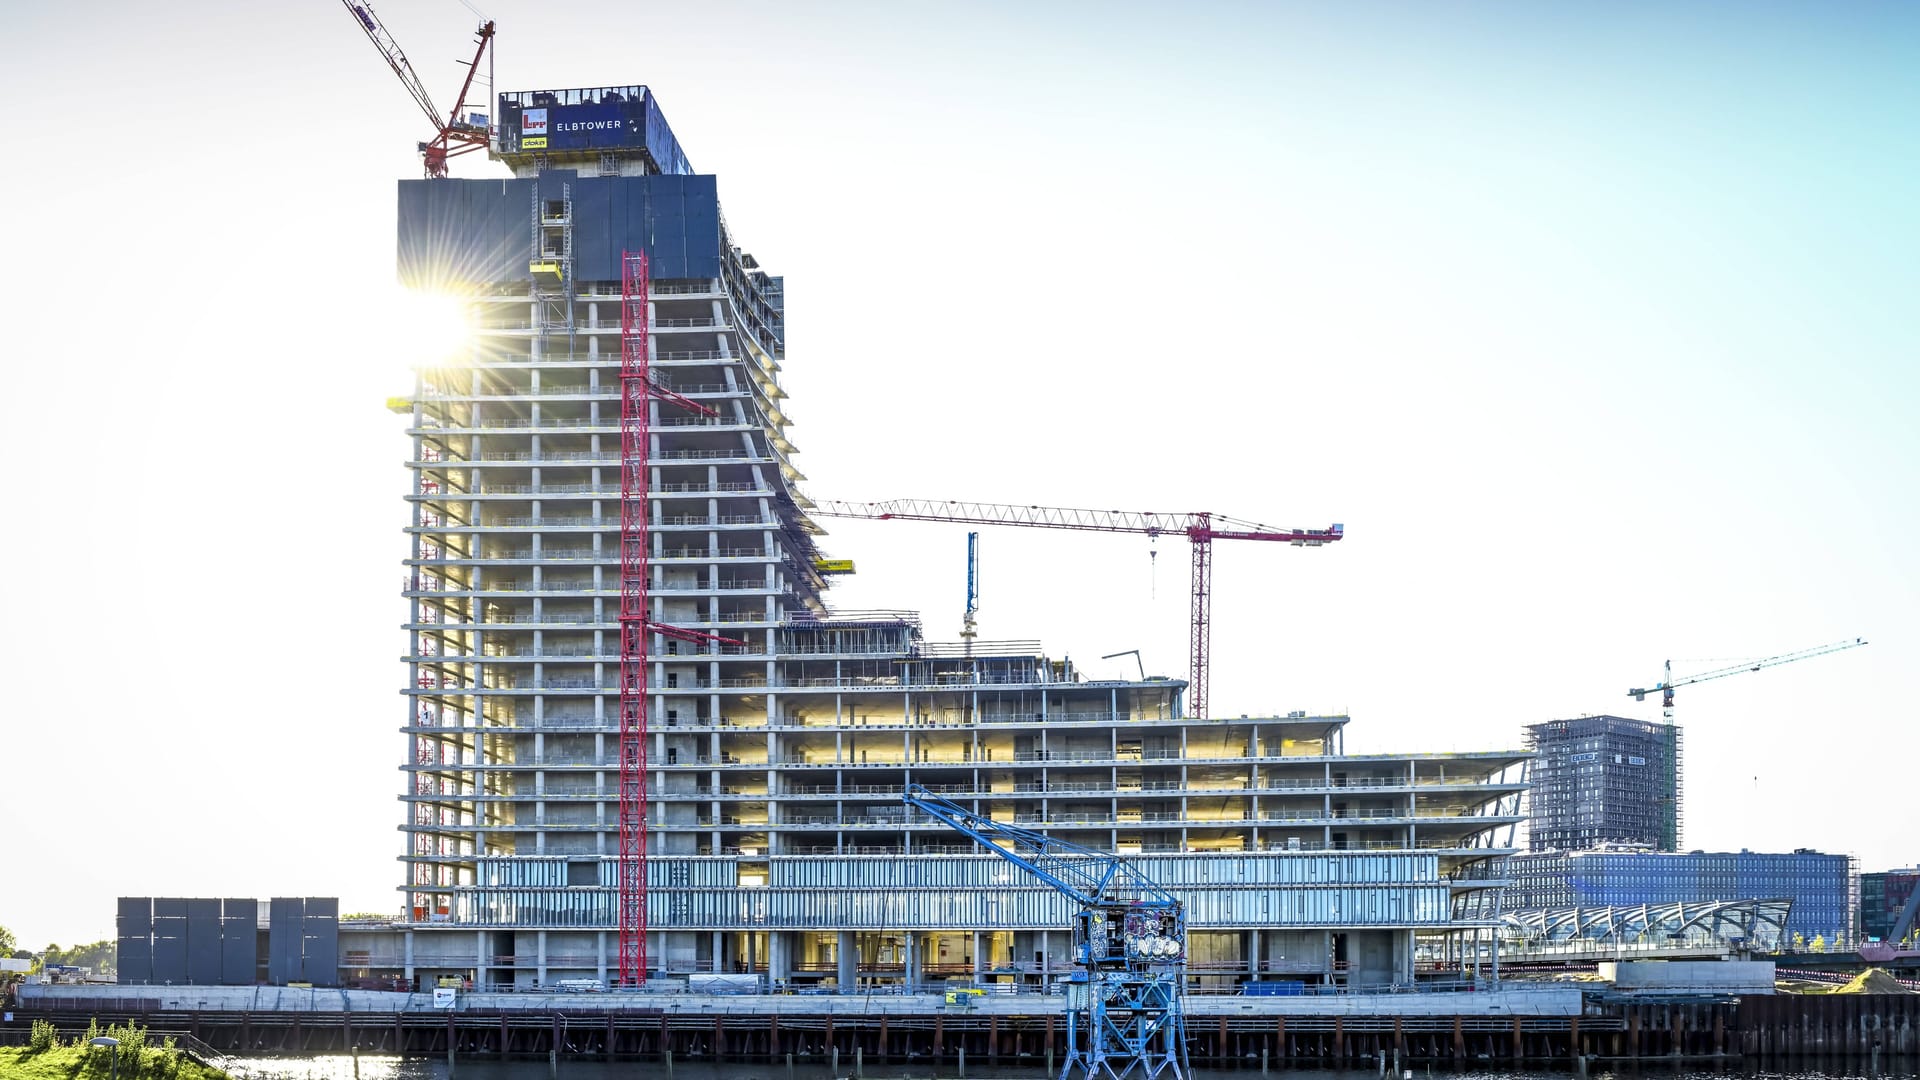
(1201, 528)
(454, 135)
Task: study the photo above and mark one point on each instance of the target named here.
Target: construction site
(651, 766)
(624, 656)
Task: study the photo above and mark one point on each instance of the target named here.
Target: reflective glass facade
(1817, 883)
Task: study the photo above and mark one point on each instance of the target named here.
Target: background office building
(1820, 885)
(1604, 780)
(1887, 905)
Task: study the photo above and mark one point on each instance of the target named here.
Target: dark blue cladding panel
(133, 929)
(285, 928)
(593, 202)
(133, 961)
(454, 232)
(321, 947)
(203, 958)
(238, 946)
(203, 942)
(169, 949)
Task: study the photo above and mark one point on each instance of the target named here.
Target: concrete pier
(1356, 1031)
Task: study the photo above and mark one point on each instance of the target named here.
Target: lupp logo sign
(533, 129)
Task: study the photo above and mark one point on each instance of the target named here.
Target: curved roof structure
(1756, 924)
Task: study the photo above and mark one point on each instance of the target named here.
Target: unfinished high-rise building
(1604, 780)
(781, 737)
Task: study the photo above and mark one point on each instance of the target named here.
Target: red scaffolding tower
(635, 390)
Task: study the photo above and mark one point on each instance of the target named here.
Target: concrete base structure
(1503, 1001)
(1744, 977)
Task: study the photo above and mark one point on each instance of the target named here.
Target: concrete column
(718, 945)
(913, 958)
(979, 956)
(779, 956)
(406, 956)
(481, 976)
(848, 958)
(1253, 954)
(540, 957)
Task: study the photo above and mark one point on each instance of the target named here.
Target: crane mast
(1201, 528)
(1126, 1013)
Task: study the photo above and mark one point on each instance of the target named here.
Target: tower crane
(456, 134)
(1667, 684)
(1202, 528)
(1126, 1015)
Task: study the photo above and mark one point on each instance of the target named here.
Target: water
(388, 1067)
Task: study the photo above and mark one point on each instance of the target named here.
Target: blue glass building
(1819, 884)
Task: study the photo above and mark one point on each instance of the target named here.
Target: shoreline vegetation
(50, 1056)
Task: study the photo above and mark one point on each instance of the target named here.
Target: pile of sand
(1874, 981)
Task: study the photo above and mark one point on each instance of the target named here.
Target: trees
(98, 955)
(7, 942)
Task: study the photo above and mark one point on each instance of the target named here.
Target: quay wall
(1804, 1031)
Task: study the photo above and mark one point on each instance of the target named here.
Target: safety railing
(705, 488)
(705, 421)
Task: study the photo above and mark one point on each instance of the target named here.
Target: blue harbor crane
(1125, 1002)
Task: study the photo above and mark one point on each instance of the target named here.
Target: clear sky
(1594, 323)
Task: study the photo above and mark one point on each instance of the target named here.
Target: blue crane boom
(1085, 876)
(1125, 1017)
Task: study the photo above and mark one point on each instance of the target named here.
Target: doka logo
(533, 129)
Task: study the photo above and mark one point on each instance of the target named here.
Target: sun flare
(422, 330)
